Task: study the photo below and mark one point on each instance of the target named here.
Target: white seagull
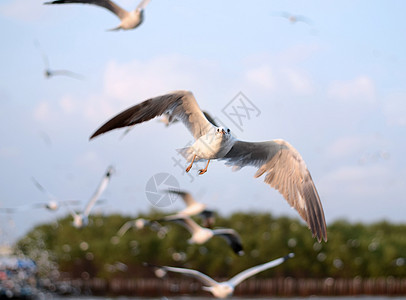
(194, 208)
(226, 288)
(81, 219)
(48, 72)
(201, 235)
(53, 204)
(129, 19)
(139, 224)
(285, 169)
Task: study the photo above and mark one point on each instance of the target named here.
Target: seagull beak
(223, 131)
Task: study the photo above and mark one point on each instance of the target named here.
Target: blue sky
(336, 90)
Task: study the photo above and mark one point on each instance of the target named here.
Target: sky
(334, 88)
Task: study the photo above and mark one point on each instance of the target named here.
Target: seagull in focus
(81, 219)
(194, 208)
(283, 166)
(201, 235)
(224, 289)
(129, 19)
(48, 73)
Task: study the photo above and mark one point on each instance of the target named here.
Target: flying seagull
(81, 219)
(201, 235)
(226, 288)
(194, 208)
(48, 72)
(284, 167)
(129, 20)
(139, 224)
(53, 204)
(292, 18)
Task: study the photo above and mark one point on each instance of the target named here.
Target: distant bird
(50, 73)
(201, 235)
(81, 219)
(285, 169)
(129, 20)
(226, 288)
(54, 203)
(139, 224)
(294, 18)
(194, 208)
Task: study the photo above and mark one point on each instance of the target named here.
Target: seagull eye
(228, 130)
(218, 129)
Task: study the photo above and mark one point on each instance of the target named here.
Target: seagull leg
(202, 171)
(191, 164)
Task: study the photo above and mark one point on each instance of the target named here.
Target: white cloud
(395, 109)
(42, 112)
(298, 81)
(262, 77)
(360, 89)
(355, 146)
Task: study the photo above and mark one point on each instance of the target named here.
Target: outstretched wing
(100, 189)
(232, 238)
(110, 5)
(285, 171)
(181, 105)
(203, 278)
(142, 4)
(187, 197)
(257, 269)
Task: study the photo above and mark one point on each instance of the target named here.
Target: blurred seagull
(194, 208)
(54, 203)
(139, 224)
(226, 288)
(294, 18)
(49, 72)
(284, 167)
(201, 235)
(129, 20)
(81, 219)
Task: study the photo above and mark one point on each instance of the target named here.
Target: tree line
(353, 249)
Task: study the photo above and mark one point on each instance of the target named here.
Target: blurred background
(330, 82)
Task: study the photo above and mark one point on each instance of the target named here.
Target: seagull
(48, 73)
(294, 18)
(201, 235)
(225, 289)
(129, 20)
(53, 204)
(139, 224)
(81, 219)
(194, 208)
(284, 167)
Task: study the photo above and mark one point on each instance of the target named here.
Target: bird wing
(110, 5)
(183, 220)
(142, 4)
(203, 278)
(67, 73)
(285, 171)
(257, 269)
(187, 197)
(43, 190)
(126, 226)
(180, 104)
(232, 238)
(100, 189)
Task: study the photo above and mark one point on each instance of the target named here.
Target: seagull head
(221, 290)
(224, 132)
